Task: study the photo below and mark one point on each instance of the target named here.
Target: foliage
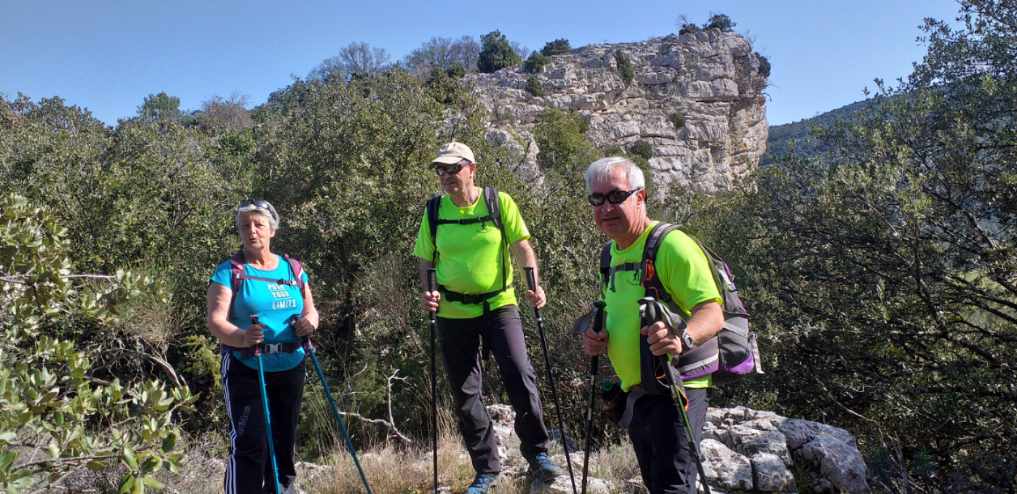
(677, 119)
(496, 53)
(160, 108)
(557, 47)
(896, 305)
(721, 22)
(561, 137)
(764, 65)
(445, 54)
(688, 28)
(642, 149)
(60, 408)
(533, 86)
(535, 63)
(625, 69)
(219, 115)
(357, 59)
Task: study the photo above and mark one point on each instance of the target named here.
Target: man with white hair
(617, 194)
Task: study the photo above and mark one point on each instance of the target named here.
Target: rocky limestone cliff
(696, 98)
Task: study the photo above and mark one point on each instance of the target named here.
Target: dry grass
(394, 469)
(398, 469)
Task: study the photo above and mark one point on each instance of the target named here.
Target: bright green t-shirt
(472, 258)
(685, 273)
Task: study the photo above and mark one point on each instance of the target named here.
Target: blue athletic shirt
(275, 304)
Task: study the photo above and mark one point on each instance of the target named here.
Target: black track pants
(665, 457)
(248, 468)
(502, 333)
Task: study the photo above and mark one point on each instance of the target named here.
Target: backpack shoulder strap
(236, 271)
(494, 211)
(651, 282)
(432, 222)
(605, 263)
(298, 271)
(494, 207)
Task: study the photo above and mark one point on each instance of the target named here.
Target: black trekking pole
(531, 281)
(434, 383)
(598, 326)
(312, 351)
(264, 408)
(648, 315)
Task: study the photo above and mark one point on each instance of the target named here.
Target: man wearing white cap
(467, 235)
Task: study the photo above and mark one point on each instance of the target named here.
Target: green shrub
(625, 69)
(556, 47)
(642, 149)
(561, 136)
(533, 86)
(535, 63)
(764, 66)
(64, 404)
(456, 71)
(720, 21)
(677, 119)
(688, 28)
(496, 53)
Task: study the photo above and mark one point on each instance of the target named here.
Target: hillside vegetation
(882, 283)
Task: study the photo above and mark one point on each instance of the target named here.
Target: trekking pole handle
(647, 311)
(257, 347)
(531, 278)
(598, 316)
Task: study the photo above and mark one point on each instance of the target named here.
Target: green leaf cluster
(58, 411)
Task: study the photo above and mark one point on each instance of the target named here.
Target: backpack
(493, 215)
(734, 352)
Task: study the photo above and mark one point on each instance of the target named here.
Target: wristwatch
(687, 342)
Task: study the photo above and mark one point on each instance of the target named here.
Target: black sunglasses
(616, 196)
(252, 204)
(446, 169)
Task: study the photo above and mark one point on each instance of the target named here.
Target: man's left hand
(661, 340)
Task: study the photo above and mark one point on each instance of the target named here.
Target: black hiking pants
(501, 331)
(248, 468)
(666, 460)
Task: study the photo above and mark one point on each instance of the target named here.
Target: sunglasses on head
(445, 169)
(616, 196)
(248, 205)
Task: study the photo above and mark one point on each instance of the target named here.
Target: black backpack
(733, 352)
(493, 215)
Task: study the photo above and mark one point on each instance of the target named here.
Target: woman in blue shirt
(258, 282)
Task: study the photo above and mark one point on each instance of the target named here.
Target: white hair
(600, 171)
(273, 220)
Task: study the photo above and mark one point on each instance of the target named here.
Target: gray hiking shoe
(543, 468)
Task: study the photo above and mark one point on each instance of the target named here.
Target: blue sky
(108, 55)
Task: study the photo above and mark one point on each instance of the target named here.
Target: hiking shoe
(543, 468)
(482, 483)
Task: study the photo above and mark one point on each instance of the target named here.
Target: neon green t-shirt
(468, 255)
(684, 271)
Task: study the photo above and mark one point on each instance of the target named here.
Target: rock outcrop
(696, 99)
(744, 450)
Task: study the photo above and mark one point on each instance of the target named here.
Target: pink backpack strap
(298, 271)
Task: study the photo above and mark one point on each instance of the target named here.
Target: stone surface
(830, 454)
(710, 80)
(724, 467)
(770, 473)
